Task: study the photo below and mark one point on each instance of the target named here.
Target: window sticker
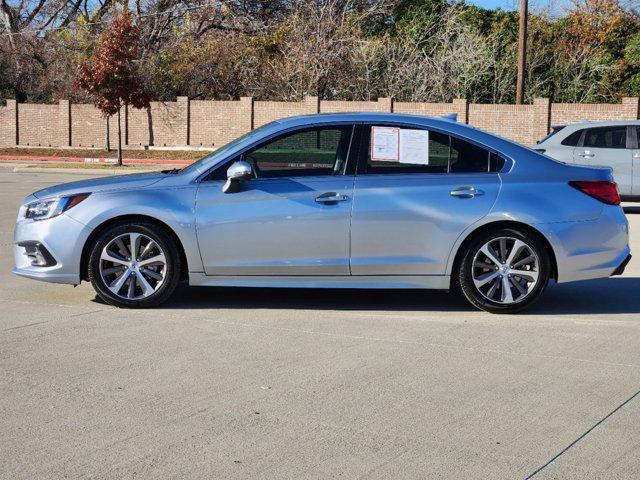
(392, 144)
(414, 146)
(385, 144)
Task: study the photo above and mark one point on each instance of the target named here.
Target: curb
(92, 160)
(78, 171)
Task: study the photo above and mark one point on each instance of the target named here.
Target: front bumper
(62, 237)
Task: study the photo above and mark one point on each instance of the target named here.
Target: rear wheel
(134, 265)
(504, 271)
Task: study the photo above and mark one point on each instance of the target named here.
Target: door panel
(406, 224)
(606, 147)
(620, 160)
(635, 188)
(276, 227)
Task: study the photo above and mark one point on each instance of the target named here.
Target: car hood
(102, 184)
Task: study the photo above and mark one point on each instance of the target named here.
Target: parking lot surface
(258, 383)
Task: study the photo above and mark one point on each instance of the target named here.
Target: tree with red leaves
(111, 75)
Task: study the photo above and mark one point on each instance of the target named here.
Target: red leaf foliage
(110, 75)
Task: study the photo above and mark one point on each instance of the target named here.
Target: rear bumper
(590, 249)
(622, 266)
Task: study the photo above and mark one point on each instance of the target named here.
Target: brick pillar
(385, 104)
(461, 109)
(631, 108)
(541, 119)
(64, 123)
(311, 104)
(246, 105)
(13, 124)
(184, 131)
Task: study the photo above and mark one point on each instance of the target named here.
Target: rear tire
(504, 270)
(141, 276)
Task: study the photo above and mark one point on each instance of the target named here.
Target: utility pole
(522, 52)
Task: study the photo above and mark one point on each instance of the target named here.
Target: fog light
(37, 254)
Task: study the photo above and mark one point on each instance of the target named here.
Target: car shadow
(610, 295)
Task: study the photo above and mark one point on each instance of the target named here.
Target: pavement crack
(24, 326)
(583, 435)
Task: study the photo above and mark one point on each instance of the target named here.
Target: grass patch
(94, 153)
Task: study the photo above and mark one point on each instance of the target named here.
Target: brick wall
(211, 124)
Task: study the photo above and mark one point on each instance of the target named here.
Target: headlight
(44, 209)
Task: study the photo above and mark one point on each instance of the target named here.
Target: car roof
(445, 124)
(602, 123)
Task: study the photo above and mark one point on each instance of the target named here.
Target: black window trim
(349, 169)
(362, 150)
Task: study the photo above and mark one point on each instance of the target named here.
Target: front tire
(504, 270)
(134, 265)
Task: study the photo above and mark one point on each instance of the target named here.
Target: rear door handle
(586, 154)
(331, 197)
(466, 191)
(637, 155)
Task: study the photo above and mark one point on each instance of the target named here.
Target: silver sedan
(339, 201)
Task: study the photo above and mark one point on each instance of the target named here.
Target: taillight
(603, 190)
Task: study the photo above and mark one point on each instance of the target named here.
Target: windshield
(217, 155)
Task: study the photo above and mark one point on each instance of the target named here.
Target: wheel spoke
(490, 255)
(147, 289)
(521, 289)
(117, 284)
(112, 270)
(503, 249)
(134, 244)
(156, 259)
(151, 273)
(113, 257)
(478, 264)
(123, 248)
(529, 275)
(484, 279)
(518, 245)
(147, 249)
(132, 287)
(524, 261)
(507, 296)
(494, 286)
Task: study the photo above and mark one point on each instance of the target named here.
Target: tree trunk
(107, 139)
(119, 140)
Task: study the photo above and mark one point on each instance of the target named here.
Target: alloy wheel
(133, 266)
(505, 270)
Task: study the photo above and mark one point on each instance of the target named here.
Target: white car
(614, 144)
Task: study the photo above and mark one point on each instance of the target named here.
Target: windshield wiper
(171, 171)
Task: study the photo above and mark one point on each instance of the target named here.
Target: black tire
(171, 268)
(465, 272)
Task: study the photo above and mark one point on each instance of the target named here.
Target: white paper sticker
(414, 146)
(385, 144)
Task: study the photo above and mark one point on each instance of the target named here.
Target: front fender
(173, 206)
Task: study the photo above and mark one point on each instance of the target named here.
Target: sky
(556, 6)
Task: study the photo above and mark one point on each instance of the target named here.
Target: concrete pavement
(229, 383)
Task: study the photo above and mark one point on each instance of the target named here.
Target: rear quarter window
(573, 139)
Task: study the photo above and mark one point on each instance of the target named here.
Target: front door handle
(586, 154)
(637, 155)
(331, 197)
(466, 191)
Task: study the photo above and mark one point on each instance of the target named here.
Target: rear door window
(446, 154)
(606, 137)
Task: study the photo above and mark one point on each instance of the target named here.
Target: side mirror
(236, 173)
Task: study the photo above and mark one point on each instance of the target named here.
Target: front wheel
(504, 270)
(134, 265)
